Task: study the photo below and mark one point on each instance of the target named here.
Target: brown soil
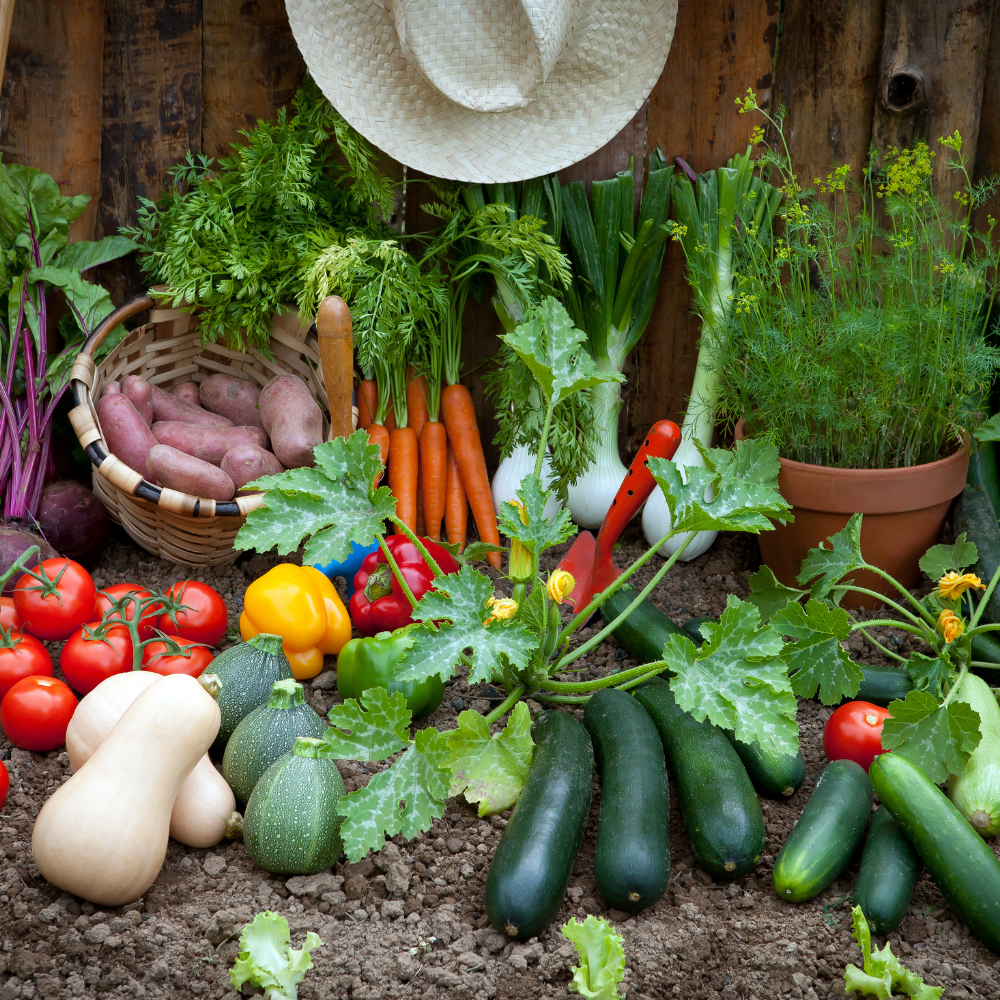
(419, 929)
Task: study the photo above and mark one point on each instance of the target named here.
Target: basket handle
(136, 304)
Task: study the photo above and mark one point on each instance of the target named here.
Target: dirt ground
(409, 921)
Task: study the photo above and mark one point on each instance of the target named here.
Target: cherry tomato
(158, 658)
(204, 618)
(56, 609)
(854, 732)
(4, 783)
(86, 661)
(146, 626)
(35, 712)
(24, 657)
(8, 616)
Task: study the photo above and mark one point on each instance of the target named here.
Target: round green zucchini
(889, 870)
(266, 733)
(828, 831)
(290, 825)
(632, 861)
(533, 861)
(721, 810)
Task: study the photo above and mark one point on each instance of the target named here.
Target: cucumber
(534, 859)
(266, 733)
(889, 870)
(975, 516)
(721, 811)
(646, 630)
(290, 825)
(828, 831)
(632, 860)
(961, 863)
(693, 628)
(880, 685)
(776, 775)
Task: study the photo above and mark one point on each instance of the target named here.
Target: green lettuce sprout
(267, 958)
(883, 974)
(602, 958)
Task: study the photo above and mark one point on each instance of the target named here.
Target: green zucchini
(646, 630)
(776, 775)
(975, 516)
(266, 733)
(720, 808)
(976, 791)
(290, 825)
(961, 863)
(534, 859)
(693, 628)
(889, 870)
(880, 685)
(632, 860)
(247, 671)
(828, 831)
(983, 471)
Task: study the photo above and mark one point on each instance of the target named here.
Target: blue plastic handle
(349, 566)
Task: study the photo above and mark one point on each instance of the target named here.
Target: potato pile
(210, 440)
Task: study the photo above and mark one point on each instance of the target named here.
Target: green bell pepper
(371, 662)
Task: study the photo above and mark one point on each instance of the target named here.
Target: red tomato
(35, 712)
(8, 616)
(55, 610)
(4, 783)
(25, 657)
(86, 661)
(158, 658)
(854, 732)
(205, 617)
(109, 595)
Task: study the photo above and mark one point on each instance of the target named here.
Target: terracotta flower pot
(903, 509)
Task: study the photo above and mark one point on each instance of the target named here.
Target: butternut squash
(205, 809)
(103, 834)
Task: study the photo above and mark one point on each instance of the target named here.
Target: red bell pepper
(378, 603)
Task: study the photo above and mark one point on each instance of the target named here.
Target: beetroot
(74, 521)
(13, 541)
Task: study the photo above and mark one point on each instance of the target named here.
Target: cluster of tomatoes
(106, 632)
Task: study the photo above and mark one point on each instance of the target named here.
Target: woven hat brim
(613, 56)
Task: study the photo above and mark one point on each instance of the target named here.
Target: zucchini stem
(505, 706)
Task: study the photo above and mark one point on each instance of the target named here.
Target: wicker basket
(183, 529)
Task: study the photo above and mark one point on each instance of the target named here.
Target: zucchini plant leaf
(957, 557)
(816, 660)
(370, 728)
(737, 679)
(824, 567)
(928, 673)
(989, 430)
(602, 957)
(491, 770)
(552, 347)
(331, 505)
(938, 740)
(743, 485)
(769, 595)
(405, 798)
(539, 533)
(455, 611)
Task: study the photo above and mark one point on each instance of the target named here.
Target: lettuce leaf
(267, 959)
(602, 958)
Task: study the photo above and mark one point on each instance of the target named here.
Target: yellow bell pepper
(301, 605)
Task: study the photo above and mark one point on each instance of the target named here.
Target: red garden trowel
(589, 559)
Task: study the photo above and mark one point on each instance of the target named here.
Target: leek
(708, 207)
(617, 265)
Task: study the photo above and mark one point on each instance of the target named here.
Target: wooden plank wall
(108, 96)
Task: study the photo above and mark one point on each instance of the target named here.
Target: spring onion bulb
(510, 474)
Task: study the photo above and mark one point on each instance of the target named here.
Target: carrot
(456, 506)
(463, 435)
(367, 402)
(403, 474)
(433, 475)
(377, 434)
(416, 404)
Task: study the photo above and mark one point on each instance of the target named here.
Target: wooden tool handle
(336, 355)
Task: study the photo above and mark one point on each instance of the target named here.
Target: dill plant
(860, 330)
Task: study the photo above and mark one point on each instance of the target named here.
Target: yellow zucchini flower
(500, 609)
(952, 585)
(950, 625)
(560, 585)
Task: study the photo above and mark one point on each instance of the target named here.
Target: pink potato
(247, 462)
(209, 444)
(180, 471)
(169, 407)
(233, 397)
(127, 435)
(292, 418)
(140, 392)
(187, 391)
(112, 388)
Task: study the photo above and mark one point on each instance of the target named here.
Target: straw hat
(485, 90)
